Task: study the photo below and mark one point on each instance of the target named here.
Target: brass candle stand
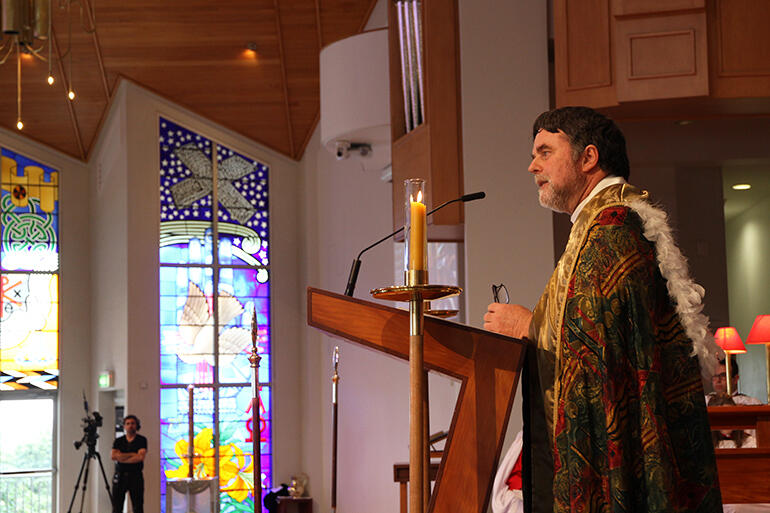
(417, 292)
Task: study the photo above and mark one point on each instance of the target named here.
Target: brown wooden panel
(433, 150)
(661, 57)
(743, 475)
(588, 58)
(739, 48)
(583, 72)
(645, 51)
(488, 365)
(629, 7)
(744, 38)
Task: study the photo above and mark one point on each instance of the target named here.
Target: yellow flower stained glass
(235, 475)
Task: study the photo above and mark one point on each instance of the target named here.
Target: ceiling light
(71, 94)
(741, 186)
(684, 122)
(19, 125)
(50, 80)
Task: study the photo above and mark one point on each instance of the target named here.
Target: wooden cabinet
(614, 53)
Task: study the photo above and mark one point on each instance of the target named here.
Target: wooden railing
(744, 474)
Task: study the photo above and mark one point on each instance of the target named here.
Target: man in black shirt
(128, 453)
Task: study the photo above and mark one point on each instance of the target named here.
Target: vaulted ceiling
(191, 52)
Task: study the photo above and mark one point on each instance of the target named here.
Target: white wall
(125, 254)
(748, 244)
(74, 332)
(508, 236)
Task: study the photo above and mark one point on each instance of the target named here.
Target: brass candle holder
(417, 291)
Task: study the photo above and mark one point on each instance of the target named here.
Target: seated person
(719, 382)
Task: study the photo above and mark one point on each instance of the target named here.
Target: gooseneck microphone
(353, 277)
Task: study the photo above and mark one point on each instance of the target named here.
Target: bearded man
(616, 415)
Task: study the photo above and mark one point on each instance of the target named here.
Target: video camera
(91, 422)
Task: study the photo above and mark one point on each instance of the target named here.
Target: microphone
(353, 277)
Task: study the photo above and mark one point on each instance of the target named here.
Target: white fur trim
(686, 294)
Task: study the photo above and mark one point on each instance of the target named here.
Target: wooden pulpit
(487, 364)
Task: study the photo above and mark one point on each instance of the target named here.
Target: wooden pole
(425, 438)
(254, 359)
(190, 432)
(416, 417)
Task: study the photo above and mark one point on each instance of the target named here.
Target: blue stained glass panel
(186, 181)
(241, 292)
(236, 431)
(243, 206)
(29, 214)
(186, 325)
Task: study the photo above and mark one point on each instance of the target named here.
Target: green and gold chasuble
(622, 396)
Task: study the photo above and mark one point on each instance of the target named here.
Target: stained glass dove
(196, 328)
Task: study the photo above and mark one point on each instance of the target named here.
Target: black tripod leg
(77, 483)
(85, 485)
(104, 475)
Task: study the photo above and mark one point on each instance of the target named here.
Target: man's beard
(558, 198)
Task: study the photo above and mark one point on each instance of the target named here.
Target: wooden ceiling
(192, 53)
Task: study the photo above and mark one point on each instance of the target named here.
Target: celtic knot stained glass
(29, 283)
(214, 277)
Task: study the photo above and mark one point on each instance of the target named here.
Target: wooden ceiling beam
(284, 80)
(66, 84)
(97, 49)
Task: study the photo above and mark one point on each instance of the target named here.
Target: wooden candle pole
(254, 359)
(190, 432)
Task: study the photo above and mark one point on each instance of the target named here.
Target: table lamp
(728, 339)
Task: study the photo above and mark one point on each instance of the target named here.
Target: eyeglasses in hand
(500, 293)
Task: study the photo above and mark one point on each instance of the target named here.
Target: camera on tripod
(91, 422)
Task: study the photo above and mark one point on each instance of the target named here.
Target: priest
(615, 415)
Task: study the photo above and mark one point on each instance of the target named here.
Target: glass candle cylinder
(416, 226)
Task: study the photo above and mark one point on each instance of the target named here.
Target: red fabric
(514, 480)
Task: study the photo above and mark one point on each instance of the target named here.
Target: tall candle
(417, 238)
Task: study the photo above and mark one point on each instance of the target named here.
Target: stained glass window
(29, 281)
(214, 278)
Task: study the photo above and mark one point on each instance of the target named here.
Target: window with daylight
(29, 330)
(214, 278)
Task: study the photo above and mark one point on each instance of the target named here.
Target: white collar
(603, 184)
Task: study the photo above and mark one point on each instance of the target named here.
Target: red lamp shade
(729, 340)
(760, 331)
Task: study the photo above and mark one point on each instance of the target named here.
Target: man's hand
(510, 320)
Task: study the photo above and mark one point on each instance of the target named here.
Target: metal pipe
(412, 67)
(418, 55)
(408, 124)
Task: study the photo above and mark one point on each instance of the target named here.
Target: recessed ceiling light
(684, 122)
(742, 186)
(251, 45)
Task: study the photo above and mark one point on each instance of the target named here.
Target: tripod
(90, 453)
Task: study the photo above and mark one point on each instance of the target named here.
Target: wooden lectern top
(487, 364)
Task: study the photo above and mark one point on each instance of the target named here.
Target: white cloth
(505, 500)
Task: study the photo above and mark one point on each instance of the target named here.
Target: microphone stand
(353, 276)
(256, 436)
